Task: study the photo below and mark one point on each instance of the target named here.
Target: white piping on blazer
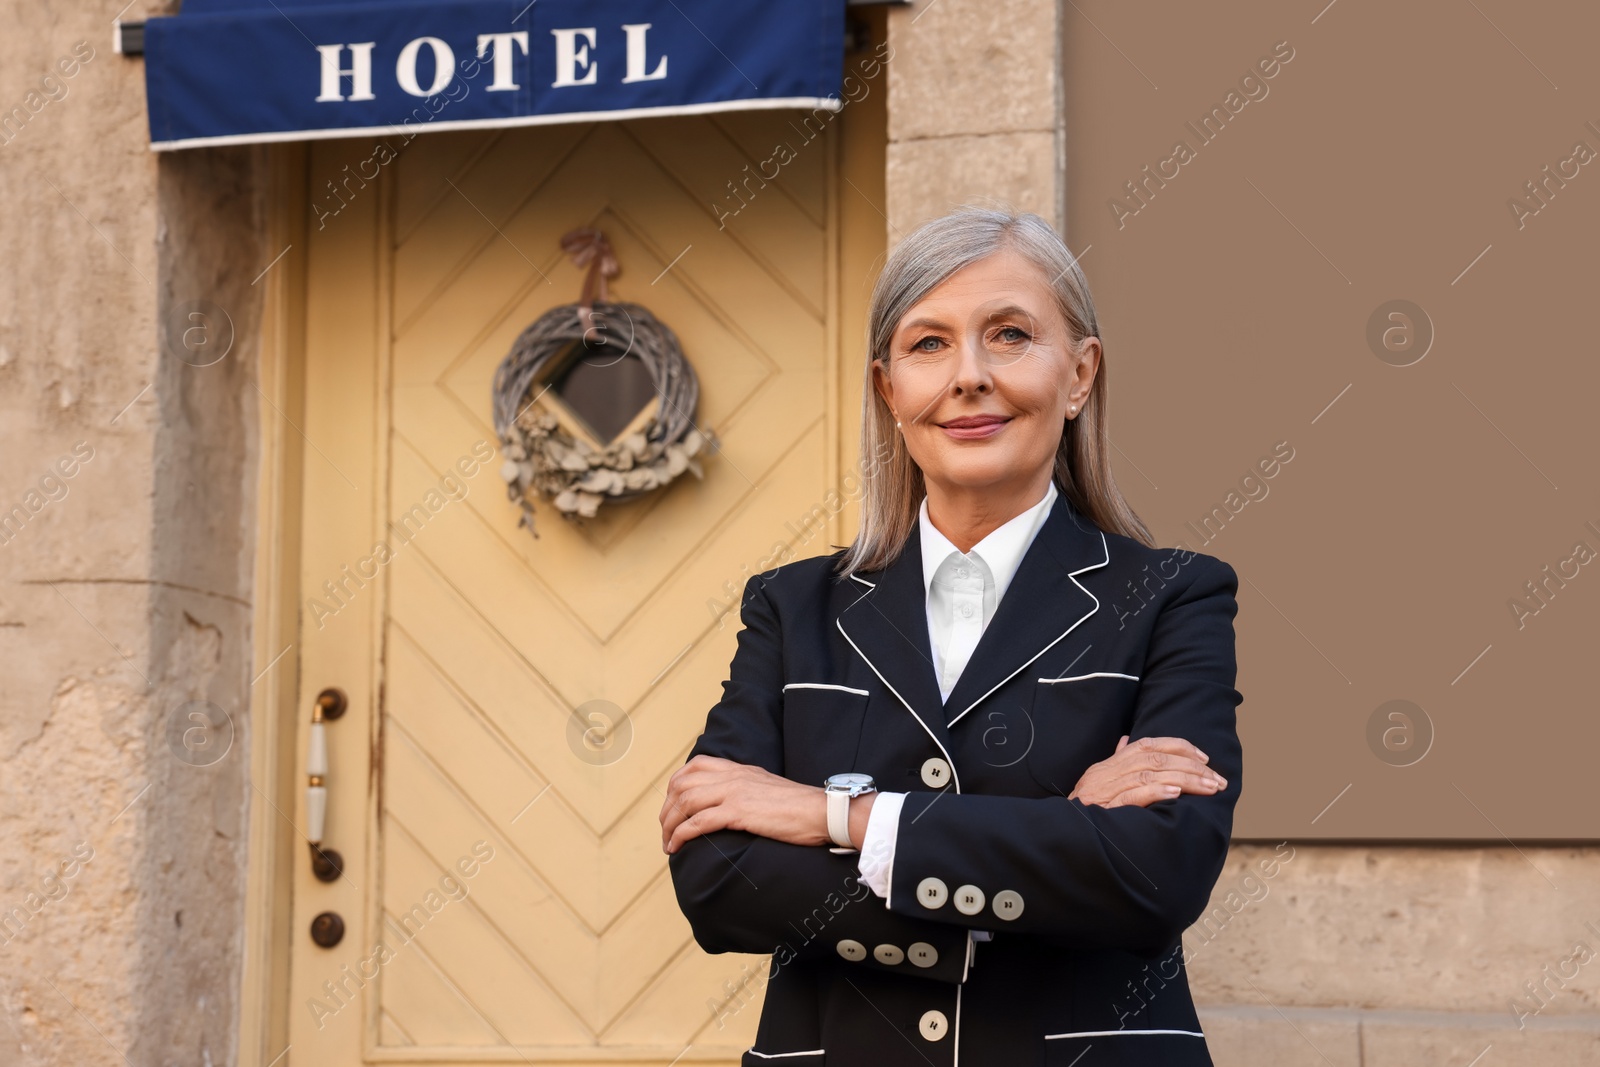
(786, 1055)
(1074, 576)
(1123, 1033)
(824, 685)
(1096, 674)
(955, 777)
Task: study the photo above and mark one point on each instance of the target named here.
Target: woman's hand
(709, 793)
(1150, 769)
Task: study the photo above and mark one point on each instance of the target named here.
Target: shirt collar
(1002, 550)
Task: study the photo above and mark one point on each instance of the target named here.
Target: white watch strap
(839, 818)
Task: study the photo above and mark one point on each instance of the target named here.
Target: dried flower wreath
(545, 458)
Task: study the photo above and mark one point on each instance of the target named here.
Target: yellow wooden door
(516, 704)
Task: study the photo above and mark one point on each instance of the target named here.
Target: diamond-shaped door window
(604, 386)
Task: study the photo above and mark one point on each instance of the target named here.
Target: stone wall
(125, 575)
(1384, 956)
(973, 109)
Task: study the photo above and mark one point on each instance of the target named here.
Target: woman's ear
(1085, 365)
(880, 382)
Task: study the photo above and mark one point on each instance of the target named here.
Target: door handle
(326, 864)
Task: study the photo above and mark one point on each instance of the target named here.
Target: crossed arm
(709, 793)
(1124, 860)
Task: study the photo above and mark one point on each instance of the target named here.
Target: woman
(1022, 710)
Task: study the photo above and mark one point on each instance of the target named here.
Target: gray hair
(893, 484)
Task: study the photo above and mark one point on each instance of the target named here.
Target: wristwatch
(840, 789)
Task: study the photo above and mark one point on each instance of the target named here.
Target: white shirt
(963, 592)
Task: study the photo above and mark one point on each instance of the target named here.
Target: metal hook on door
(326, 864)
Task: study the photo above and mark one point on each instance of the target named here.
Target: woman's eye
(918, 347)
(1012, 334)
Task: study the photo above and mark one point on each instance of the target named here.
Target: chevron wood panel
(509, 892)
(767, 215)
(392, 1033)
(436, 1014)
(600, 874)
(598, 581)
(442, 929)
(475, 548)
(597, 975)
(757, 138)
(516, 705)
(664, 218)
(570, 942)
(446, 200)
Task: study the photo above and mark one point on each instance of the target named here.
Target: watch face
(848, 781)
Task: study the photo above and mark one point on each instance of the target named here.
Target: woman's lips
(968, 428)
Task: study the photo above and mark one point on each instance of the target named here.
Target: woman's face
(982, 376)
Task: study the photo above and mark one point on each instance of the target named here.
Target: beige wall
(1393, 140)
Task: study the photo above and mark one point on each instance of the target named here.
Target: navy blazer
(1097, 636)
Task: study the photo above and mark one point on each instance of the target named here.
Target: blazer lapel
(888, 627)
(1042, 605)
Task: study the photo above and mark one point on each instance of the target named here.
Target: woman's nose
(973, 370)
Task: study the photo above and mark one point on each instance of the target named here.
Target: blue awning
(246, 71)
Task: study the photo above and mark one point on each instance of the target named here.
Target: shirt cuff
(877, 847)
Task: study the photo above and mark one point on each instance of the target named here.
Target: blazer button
(933, 1025)
(888, 954)
(1007, 904)
(852, 950)
(935, 773)
(922, 954)
(969, 900)
(931, 893)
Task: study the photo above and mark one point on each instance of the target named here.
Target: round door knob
(327, 929)
(326, 864)
(333, 702)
